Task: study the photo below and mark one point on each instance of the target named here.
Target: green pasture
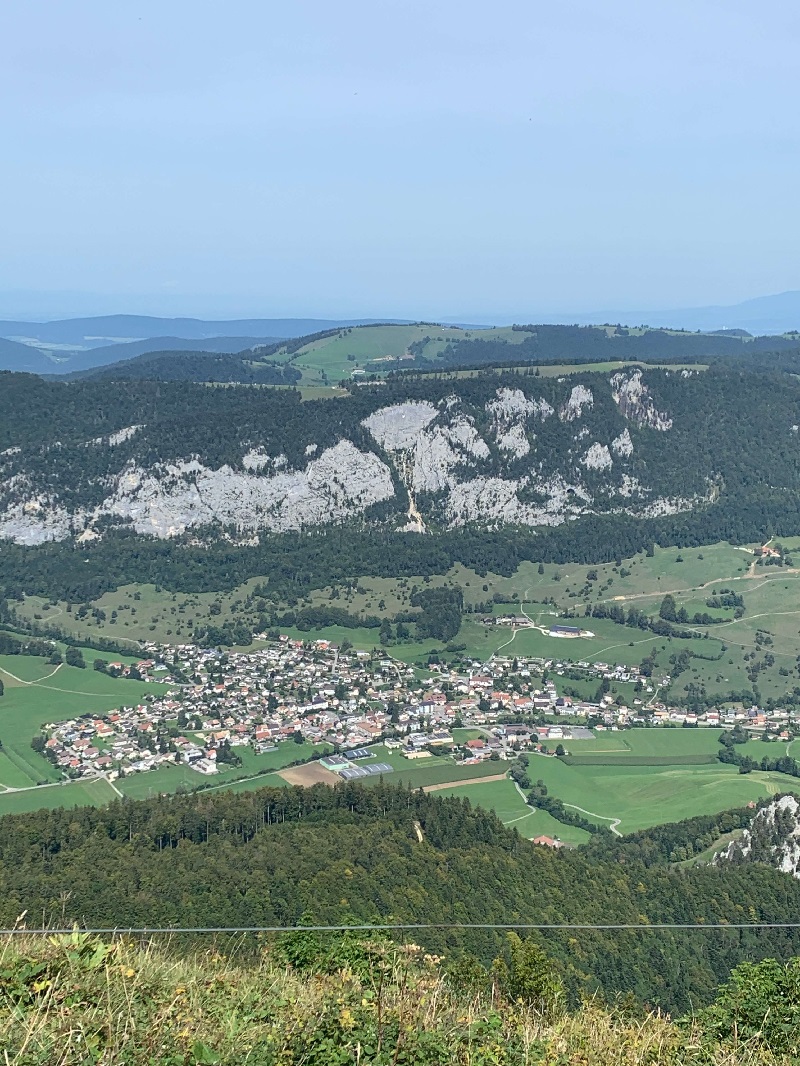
(164, 779)
(375, 348)
(503, 798)
(171, 778)
(660, 742)
(642, 796)
(14, 774)
(461, 736)
(96, 793)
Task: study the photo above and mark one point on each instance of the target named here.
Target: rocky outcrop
(632, 397)
(773, 838)
(497, 500)
(579, 398)
(623, 445)
(165, 501)
(397, 428)
(598, 457)
(511, 411)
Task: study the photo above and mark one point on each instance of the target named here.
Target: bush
(760, 1004)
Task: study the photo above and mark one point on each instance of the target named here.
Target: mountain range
(76, 344)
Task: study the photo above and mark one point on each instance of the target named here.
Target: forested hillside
(500, 467)
(498, 450)
(350, 855)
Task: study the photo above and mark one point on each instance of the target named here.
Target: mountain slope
(189, 365)
(23, 357)
(116, 355)
(777, 313)
(493, 451)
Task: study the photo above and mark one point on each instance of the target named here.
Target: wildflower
(346, 1019)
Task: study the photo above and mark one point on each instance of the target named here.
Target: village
(216, 703)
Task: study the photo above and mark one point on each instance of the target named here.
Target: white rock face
(489, 499)
(169, 499)
(35, 520)
(434, 452)
(622, 445)
(123, 434)
(635, 402)
(256, 459)
(397, 428)
(784, 849)
(579, 398)
(439, 451)
(630, 486)
(513, 439)
(510, 412)
(666, 505)
(598, 457)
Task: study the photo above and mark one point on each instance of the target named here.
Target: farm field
(503, 798)
(660, 741)
(642, 796)
(74, 794)
(436, 770)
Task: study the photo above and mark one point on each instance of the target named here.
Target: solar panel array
(352, 773)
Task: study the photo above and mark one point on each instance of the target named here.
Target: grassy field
(503, 798)
(642, 796)
(660, 741)
(74, 794)
(375, 348)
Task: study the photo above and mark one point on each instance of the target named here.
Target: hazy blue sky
(397, 157)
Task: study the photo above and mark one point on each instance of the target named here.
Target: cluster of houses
(308, 691)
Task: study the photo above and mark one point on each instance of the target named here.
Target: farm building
(569, 632)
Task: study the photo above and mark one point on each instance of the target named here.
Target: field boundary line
(464, 781)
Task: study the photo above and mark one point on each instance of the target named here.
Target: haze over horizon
(407, 161)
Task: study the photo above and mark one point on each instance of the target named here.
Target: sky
(401, 158)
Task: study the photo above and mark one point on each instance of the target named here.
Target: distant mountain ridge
(778, 313)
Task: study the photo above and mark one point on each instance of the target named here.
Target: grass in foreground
(69, 1000)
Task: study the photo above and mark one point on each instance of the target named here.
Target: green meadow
(642, 796)
(503, 798)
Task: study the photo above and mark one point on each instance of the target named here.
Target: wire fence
(639, 927)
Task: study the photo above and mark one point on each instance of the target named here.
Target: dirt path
(20, 681)
(469, 781)
(603, 817)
